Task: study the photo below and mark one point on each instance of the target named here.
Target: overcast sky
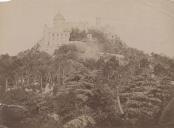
(144, 24)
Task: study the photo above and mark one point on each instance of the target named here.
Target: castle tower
(58, 21)
(59, 33)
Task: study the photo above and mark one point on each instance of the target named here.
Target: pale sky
(144, 24)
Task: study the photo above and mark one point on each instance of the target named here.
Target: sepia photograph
(86, 63)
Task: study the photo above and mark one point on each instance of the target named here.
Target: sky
(147, 25)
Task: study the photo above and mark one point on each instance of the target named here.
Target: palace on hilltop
(59, 33)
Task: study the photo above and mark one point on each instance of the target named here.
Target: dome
(59, 17)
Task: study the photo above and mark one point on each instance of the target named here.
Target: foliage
(77, 35)
(85, 92)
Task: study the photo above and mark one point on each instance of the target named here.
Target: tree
(159, 70)
(139, 102)
(167, 118)
(77, 35)
(6, 70)
(11, 115)
(144, 63)
(110, 67)
(62, 58)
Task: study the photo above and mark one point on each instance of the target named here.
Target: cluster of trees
(87, 92)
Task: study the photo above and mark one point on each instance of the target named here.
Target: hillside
(98, 82)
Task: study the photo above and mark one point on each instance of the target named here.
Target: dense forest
(70, 89)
